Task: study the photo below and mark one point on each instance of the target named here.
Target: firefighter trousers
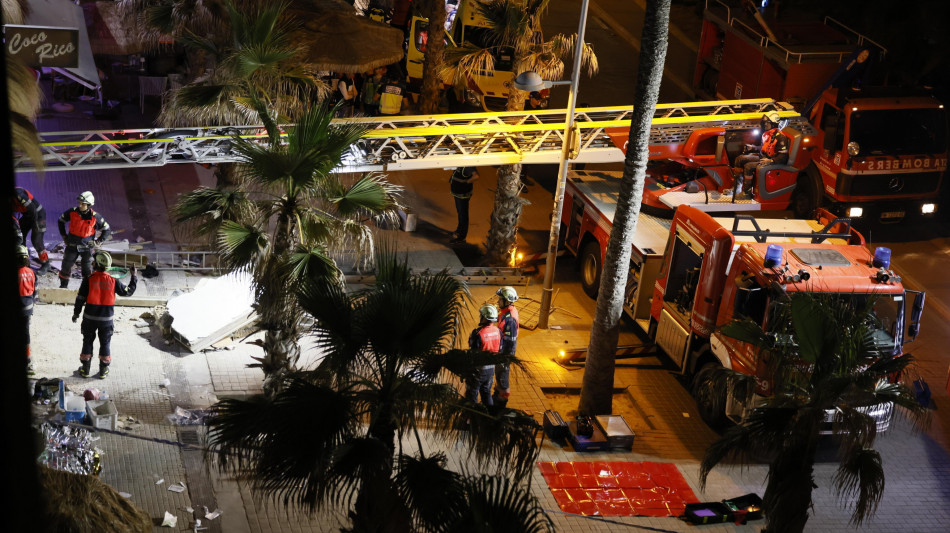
(69, 259)
(104, 329)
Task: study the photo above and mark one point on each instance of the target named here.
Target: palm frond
(496, 503)
(242, 245)
(211, 208)
(369, 195)
(433, 493)
(310, 265)
(861, 475)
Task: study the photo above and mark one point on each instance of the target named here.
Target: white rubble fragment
(170, 520)
(209, 310)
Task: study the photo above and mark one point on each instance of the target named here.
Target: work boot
(44, 268)
(29, 368)
(84, 369)
(63, 283)
(103, 371)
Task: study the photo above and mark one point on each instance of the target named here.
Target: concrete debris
(214, 310)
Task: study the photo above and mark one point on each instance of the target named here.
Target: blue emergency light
(773, 256)
(882, 257)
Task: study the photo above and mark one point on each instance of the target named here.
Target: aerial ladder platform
(414, 142)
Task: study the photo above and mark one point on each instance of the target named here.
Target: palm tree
(286, 217)
(824, 355)
(23, 94)
(598, 383)
(515, 28)
(341, 435)
(434, 12)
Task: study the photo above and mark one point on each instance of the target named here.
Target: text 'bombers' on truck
(693, 274)
(880, 152)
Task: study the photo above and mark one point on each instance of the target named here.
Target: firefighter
(508, 324)
(97, 294)
(485, 337)
(27, 283)
(32, 221)
(773, 150)
(81, 240)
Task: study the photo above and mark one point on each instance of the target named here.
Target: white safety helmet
(103, 259)
(773, 117)
(508, 293)
(489, 313)
(87, 198)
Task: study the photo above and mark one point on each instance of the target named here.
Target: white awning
(66, 14)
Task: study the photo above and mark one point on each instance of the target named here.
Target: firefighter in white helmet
(87, 231)
(508, 324)
(772, 151)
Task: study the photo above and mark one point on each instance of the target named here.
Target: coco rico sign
(40, 46)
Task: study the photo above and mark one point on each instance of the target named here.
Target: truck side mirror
(917, 310)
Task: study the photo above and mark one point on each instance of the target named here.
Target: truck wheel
(807, 195)
(590, 268)
(710, 397)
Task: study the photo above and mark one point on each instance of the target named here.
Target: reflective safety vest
(390, 100)
(83, 226)
(101, 289)
(27, 282)
(490, 338)
(774, 142)
(97, 293)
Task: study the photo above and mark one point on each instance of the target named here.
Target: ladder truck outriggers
(692, 274)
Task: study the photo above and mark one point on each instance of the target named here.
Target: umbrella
(341, 41)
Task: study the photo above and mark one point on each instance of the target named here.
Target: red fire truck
(694, 273)
(880, 153)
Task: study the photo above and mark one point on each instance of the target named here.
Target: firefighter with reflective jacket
(26, 279)
(508, 324)
(32, 221)
(772, 151)
(81, 240)
(97, 294)
(485, 337)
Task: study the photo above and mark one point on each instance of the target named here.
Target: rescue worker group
(83, 231)
(497, 332)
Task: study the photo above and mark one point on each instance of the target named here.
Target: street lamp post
(562, 166)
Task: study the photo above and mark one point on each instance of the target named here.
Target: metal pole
(562, 174)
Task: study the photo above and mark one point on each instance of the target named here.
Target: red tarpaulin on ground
(618, 488)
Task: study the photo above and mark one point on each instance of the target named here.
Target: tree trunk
(435, 56)
(505, 215)
(790, 482)
(598, 384)
(277, 317)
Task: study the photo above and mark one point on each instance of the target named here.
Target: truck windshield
(900, 131)
(886, 320)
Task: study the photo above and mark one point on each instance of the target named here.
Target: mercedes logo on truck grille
(896, 184)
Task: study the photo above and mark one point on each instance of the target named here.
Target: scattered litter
(555, 327)
(198, 526)
(165, 383)
(125, 495)
(160, 481)
(177, 487)
(190, 509)
(139, 239)
(214, 514)
(170, 520)
(188, 417)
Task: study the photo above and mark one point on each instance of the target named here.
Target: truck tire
(590, 267)
(710, 402)
(807, 195)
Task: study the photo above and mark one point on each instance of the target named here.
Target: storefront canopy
(65, 14)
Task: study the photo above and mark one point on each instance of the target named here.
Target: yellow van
(487, 89)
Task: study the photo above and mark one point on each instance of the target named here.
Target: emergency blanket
(618, 488)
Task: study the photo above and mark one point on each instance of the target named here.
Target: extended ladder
(414, 142)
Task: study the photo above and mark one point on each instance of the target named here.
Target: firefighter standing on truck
(26, 280)
(97, 294)
(32, 221)
(485, 337)
(774, 150)
(81, 240)
(508, 324)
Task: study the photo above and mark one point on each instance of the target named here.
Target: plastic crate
(595, 443)
(708, 513)
(75, 409)
(102, 414)
(748, 506)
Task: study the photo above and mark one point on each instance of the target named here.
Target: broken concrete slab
(214, 310)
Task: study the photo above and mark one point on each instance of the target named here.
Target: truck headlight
(855, 212)
(928, 209)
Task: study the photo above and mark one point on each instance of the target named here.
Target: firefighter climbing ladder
(414, 142)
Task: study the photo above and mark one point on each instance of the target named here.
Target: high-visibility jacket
(390, 98)
(486, 338)
(83, 227)
(508, 323)
(775, 145)
(27, 283)
(97, 294)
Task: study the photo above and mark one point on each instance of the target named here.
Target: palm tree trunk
(598, 384)
(434, 10)
(505, 215)
(278, 316)
(790, 483)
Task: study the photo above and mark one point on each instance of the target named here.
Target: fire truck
(488, 89)
(879, 152)
(692, 274)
